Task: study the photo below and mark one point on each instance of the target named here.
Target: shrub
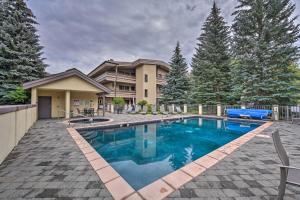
(142, 103)
(149, 108)
(17, 96)
(119, 101)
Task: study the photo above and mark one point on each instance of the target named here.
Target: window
(124, 87)
(146, 93)
(159, 76)
(132, 88)
(146, 78)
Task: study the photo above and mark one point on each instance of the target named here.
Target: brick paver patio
(48, 164)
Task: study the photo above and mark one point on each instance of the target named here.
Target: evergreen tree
(20, 52)
(211, 62)
(264, 47)
(176, 89)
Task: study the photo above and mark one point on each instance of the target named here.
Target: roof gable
(63, 75)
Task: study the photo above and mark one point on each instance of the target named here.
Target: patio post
(103, 105)
(34, 96)
(67, 104)
(200, 109)
(219, 110)
(112, 110)
(275, 113)
(184, 108)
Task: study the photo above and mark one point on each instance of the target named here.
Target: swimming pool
(144, 153)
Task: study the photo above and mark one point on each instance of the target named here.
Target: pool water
(142, 154)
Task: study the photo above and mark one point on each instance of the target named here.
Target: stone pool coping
(161, 188)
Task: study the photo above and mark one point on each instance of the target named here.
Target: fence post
(184, 108)
(219, 110)
(243, 106)
(275, 114)
(287, 113)
(200, 112)
(112, 109)
(173, 108)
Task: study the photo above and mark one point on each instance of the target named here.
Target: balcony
(161, 80)
(124, 94)
(111, 77)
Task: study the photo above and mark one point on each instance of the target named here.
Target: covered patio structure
(65, 94)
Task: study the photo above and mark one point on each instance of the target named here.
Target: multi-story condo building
(134, 81)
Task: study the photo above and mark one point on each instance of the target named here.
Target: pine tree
(264, 47)
(177, 86)
(211, 62)
(20, 52)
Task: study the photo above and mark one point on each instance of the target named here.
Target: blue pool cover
(249, 113)
(144, 153)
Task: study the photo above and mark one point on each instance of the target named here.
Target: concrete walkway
(48, 164)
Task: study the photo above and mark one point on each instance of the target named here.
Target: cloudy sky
(83, 34)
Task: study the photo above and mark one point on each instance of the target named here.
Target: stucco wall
(141, 85)
(86, 100)
(14, 122)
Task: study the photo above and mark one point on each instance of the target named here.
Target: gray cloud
(83, 34)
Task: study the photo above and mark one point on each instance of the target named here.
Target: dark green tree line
(211, 62)
(20, 52)
(177, 87)
(265, 33)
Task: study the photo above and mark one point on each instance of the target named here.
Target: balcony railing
(111, 76)
(161, 80)
(121, 93)
(123, 78)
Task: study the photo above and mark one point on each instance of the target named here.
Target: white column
(173, 108)
(184, 108)
(275, 112)
(219, 110)
(34, 96)
(200, 109)
(112, 109)
(67, 104)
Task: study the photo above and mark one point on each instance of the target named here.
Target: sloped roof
(62, 75)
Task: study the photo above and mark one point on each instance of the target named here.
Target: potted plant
(118, 102)
(142, 103)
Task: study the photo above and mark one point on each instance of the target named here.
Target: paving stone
(47, 164)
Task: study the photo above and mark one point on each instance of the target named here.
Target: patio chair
(91, 112)
(171, 110)
(162, 110)
(135, 109)
(144, 110)
(153, 110)
(288, 174)
(178, 109)
(129, 109)
(85, 112)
